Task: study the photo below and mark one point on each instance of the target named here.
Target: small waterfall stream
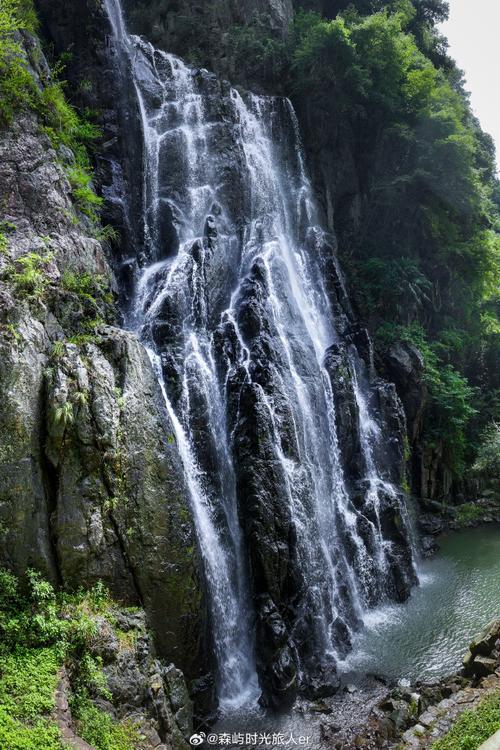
(233, 304)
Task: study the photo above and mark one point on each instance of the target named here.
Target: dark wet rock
(322, 685)
(262, 407)
(431, 525)
(104, 641)
(339, 369)
(203, 693)
(146, 691)
(279, 680)
(113, 465)
(487, 640)
(405, 367)
(181, 26)
(358, 335)
(428, 546)
(484, 665)
(390, 413)
(342, 637)
(483, 656)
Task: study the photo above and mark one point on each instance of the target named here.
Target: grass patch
(473, 727)
(28, 679)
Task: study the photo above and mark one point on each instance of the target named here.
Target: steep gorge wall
(90, 482)
(99, 82)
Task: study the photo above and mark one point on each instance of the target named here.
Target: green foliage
(473, 727)
(3, 243)
(107, 233)
(39, 632)
(28, 274)
(58, 349)
(257, 52)
(469, 513)
(28, 676)
(81, 185)
(488, 455)
(17, 88)
(28, 682)
(100, 730)
(28, 618)
(65, 127)
(84, 285)
(92, 296)
(64, 414)
(393, 287)
(39, 735)
(425, 258)
(324, 54)
(61, 122)
(451, 396)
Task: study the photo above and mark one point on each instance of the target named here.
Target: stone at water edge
(483, 656)
(483, 666)
(493, 743)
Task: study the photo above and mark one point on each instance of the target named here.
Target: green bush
(85, 198)
(452, 398)
(469, 513)
(425, 253)
(82, 284)
(28, 275)
(488, 455)
(100, 730)
(41, 734)
(30, 659)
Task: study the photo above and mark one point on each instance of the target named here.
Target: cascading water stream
(233, 307)
(223, 559)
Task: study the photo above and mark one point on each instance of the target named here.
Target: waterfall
(241, 306)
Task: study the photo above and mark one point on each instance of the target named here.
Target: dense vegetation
(424, 257)
(39, 633)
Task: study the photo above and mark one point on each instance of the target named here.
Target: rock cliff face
(202, 31)
(90, 482)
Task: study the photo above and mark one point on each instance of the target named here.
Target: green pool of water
(426, 637)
